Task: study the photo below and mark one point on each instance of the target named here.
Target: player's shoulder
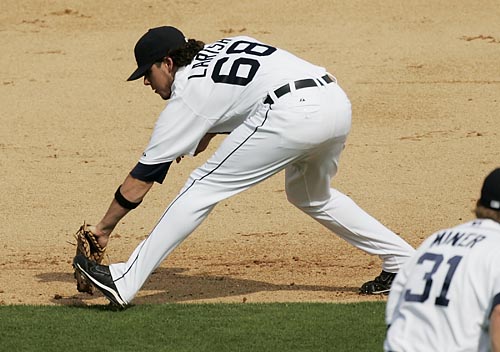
(243, 37)
(467, 234)
(233, 38)
(481, 225)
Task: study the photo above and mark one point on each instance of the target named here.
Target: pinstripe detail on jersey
(192, 184)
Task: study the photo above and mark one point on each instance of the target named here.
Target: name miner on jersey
(457, 239)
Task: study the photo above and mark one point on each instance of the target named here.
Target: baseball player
(447, 296)
(279, 113)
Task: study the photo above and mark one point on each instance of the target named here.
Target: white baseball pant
(303, 132)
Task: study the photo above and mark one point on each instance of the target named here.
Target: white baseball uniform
(442, 298)
(282, 113)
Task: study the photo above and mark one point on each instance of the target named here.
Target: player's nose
(146, 81)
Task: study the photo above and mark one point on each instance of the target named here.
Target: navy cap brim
(140, 72)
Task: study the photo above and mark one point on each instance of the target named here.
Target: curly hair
(486, 213)
(185, 54)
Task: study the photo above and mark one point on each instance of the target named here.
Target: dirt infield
(423, 78)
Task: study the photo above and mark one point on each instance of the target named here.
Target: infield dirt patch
(423, 78)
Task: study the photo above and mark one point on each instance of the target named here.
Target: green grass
(195, 327)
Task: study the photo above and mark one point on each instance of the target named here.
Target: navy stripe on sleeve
(149, 173)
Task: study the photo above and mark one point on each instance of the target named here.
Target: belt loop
(292, 87)
(273, 96)
(321, 81)
(334, 79)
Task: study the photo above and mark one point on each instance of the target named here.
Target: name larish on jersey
(457, 239)
(205, 56)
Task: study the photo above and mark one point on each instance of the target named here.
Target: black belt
(303, 83)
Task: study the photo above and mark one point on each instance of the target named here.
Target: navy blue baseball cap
(154, 46)
(490, 192)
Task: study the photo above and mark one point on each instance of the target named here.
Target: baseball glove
(86, 244)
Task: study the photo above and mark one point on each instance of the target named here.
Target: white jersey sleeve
(177, 132)
(223, 85)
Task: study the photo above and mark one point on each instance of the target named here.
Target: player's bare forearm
(495, 329)
(202, 145)
(204, 142)
(134, 191)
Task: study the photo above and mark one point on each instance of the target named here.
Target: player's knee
(305, 204)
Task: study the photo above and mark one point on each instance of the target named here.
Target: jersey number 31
(441, 300)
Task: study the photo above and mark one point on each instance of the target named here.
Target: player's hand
(204, 143)
(101, 235)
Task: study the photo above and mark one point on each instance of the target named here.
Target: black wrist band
(125, 202)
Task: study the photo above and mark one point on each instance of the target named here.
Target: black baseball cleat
(380, 285)
(100, 277)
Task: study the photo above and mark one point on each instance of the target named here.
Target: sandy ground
(424, 80)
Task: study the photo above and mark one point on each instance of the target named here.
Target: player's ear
(168, 62)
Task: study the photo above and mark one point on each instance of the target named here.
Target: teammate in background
(447, 296)
(280, 113)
